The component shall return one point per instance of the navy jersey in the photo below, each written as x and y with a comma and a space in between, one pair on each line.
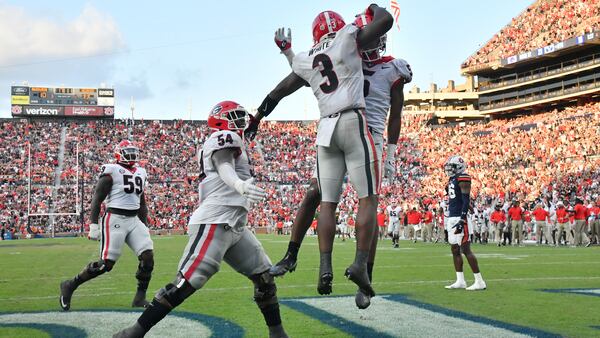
455, 197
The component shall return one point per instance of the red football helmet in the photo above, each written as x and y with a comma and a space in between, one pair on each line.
127, 153
326, 24
228, 115
370, 53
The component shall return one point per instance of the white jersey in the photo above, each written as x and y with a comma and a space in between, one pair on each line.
216, 198
380, 77
393, 214
127, 186
333, 69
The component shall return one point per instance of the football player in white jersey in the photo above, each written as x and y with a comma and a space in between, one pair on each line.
217, 228
312, 198
121, 186
393, 212
383, 87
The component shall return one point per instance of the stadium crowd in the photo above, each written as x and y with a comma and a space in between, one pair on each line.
550, 157
543, 23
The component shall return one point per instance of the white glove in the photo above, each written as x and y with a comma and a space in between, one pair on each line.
249, 190
94, 233
390, 163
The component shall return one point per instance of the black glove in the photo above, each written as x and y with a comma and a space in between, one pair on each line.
459, 227
250, 131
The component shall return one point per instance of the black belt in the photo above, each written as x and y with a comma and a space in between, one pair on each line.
123, 212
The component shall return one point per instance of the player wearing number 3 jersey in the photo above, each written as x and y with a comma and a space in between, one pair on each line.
334, 70
121, 187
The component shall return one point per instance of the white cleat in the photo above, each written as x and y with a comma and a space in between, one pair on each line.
477, 286
456, 285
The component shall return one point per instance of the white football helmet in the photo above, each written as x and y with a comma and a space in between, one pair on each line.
455, 166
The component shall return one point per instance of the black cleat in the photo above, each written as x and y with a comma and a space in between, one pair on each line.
325, 282
66, 291
362, 300
360, 277
140, 300
283, 266
396, 246
134, 331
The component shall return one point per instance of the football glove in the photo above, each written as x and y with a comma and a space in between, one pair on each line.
252, 129
249, 190
390, 163
283, 42
459, 227
94, 233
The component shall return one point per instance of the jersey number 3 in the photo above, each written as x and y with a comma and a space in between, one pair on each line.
323, 62
131, 186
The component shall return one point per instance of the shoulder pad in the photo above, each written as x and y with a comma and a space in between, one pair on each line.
106, 169
223, 139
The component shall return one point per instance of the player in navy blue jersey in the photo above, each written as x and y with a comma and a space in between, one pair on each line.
459, 194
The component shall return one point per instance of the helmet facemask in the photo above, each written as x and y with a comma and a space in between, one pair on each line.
128, 155
237, 120
374, 54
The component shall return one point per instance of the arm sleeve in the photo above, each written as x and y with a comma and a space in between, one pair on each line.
223, 161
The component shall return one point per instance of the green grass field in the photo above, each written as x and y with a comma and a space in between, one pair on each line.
30, 272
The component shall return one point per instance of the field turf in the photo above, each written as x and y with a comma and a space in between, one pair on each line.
31, 270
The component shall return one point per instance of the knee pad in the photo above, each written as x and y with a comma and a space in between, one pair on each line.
176, 294
265, 290
146, 265
95, 269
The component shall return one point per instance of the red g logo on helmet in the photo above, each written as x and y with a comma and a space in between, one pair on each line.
326, 24
228, 115
127, 153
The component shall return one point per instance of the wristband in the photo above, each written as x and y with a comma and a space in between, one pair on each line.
267, 106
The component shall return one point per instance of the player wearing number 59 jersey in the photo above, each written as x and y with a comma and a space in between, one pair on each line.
121, 187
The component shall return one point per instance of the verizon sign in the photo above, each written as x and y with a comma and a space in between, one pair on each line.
42, 110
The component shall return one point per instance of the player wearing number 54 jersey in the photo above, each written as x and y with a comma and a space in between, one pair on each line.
217, 229
121, 187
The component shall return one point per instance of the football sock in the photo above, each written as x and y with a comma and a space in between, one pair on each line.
153, 314
271, 314
293, 248
325, 265
460, 277
478, 277
370, 271
361, 257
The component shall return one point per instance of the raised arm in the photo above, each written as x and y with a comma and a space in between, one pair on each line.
287, 86
382, 22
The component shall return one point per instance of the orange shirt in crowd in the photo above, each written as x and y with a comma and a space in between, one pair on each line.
527, 216
561, 215
581, 212
381, 219
515, 213
413, 217
540, 214
428, 217
498, 216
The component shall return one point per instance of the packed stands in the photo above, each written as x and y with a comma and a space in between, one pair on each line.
554, 156
543, 23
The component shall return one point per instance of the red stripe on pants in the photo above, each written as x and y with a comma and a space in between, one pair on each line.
465, 238
106, 236
374, 151
203, 249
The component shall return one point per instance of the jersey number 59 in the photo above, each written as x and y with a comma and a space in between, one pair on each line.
131, 186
